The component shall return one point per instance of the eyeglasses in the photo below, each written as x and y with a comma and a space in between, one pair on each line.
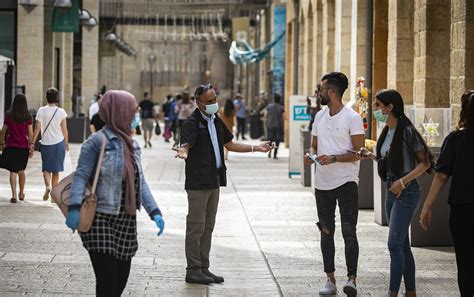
202, 89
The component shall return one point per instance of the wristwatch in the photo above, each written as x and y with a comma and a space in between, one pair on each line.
333, 158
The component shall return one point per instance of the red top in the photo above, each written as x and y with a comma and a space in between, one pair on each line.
17, 134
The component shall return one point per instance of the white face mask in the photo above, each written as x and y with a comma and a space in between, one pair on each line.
212, 108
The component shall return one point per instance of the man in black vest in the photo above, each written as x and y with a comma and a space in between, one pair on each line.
203, 138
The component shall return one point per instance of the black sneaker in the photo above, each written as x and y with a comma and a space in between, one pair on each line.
217, 279
197, 277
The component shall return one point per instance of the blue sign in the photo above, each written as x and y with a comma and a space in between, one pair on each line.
279, 51
299, 113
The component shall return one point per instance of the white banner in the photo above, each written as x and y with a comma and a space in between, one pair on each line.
298, 118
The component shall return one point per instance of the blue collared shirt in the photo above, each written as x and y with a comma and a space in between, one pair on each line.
213, 133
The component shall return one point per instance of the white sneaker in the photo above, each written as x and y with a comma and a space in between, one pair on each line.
328, 289
350, 288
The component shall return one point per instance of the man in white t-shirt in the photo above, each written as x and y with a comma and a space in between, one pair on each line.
336, 130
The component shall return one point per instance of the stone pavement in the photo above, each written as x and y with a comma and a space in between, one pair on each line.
265, 241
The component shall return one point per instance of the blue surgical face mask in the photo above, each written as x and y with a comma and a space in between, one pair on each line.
212, 108
135, 121
379, 116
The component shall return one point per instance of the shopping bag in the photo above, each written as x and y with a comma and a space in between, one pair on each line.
157, 129
67, 164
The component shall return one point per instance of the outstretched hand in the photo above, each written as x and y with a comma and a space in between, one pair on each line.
264, 147
181, 152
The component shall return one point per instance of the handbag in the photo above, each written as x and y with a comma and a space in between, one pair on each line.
157, 129
61, 195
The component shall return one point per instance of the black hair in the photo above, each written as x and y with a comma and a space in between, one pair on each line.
52, 95
337, 81
145, 94
229, 108
277, 98
466, 118
19, 111
405, 133
169, 96
201, 90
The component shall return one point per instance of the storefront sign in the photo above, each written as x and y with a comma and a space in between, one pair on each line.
66, 19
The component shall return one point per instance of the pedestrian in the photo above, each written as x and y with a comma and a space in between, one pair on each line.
15, 139
166, 116
173, 117
407, 157
147, 118
241, 109
337, 129
94, 108
51, 123
456, 161
184, 109
202, 140
227, 114
121, 189
96, 123
274, 115
311, 108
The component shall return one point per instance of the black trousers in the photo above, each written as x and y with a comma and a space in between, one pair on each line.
111, 274
241, 127
461, 224
346, 196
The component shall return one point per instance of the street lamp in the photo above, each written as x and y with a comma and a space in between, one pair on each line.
62, 4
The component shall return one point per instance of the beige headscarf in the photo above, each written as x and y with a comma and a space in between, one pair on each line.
117, 109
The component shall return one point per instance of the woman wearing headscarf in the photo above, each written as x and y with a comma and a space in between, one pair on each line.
121, 189
407, 157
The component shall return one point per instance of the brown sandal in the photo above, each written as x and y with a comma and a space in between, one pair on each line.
13, 200
21, 197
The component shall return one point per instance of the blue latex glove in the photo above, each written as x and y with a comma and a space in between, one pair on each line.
72, 219
160, 223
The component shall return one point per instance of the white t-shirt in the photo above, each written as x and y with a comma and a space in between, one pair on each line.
93, 109
334, 138
53, 134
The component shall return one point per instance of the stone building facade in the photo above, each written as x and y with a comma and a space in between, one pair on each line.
422, 48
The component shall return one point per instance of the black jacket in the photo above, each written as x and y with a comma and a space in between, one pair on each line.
201, 171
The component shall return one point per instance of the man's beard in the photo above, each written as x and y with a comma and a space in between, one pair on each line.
325, 100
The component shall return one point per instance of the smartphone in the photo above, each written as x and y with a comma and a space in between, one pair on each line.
313, 157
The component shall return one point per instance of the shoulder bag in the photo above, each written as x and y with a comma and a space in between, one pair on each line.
61, 195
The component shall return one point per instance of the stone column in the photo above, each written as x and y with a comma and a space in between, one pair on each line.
358, 44
432, 53
317, 42
328, 36
308, 54
48, 55
400, 48
342, 48
64, 42
462, 54
30, 47
301, 55
90, 56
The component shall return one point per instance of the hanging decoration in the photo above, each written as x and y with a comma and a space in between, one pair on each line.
430, 131
362, 106
241, 52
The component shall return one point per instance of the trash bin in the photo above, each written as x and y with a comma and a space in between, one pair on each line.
256, 126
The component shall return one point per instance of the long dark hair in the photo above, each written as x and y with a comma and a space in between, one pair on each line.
466, 118
19, 111
405, 134
229, 108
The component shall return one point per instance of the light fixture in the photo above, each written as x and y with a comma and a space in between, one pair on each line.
110, 37
62, 4
91, 23
28, 2
84, 15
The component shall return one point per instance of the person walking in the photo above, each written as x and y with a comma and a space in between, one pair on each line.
15, 139
274, 115
51, 123
184, 108
173, 117
121, 189
456, 161
166, 117
406, 157
147, 118
337, 129
227, 114
202, 140
241, 109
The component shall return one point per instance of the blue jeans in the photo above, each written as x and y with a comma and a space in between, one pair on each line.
399, 213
